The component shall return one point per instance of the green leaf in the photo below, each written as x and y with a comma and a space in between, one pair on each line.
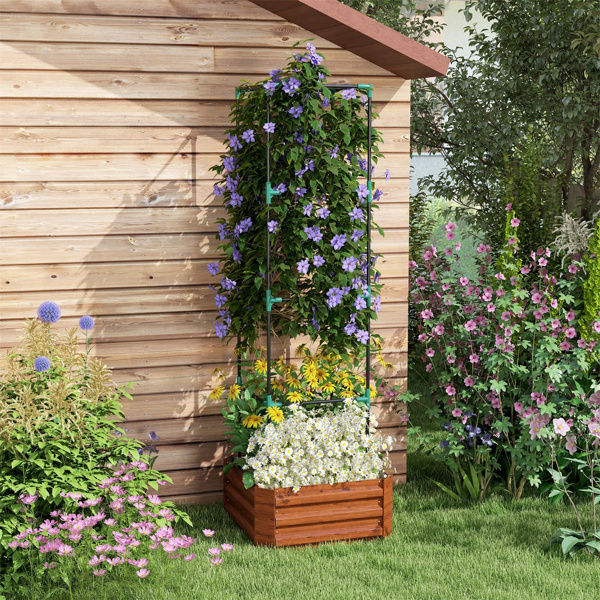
568, 543
248, 479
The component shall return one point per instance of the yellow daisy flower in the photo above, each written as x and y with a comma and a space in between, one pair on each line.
260, 366
278, 385
252, 421
347, 383
217, 392
373, 390
294, 397
347, 393
328, 387
234, 391
293, 382
275, 414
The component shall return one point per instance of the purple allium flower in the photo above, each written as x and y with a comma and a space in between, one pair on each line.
338, 241
318, 260
269, 127
360, 303
270, 86
307, 210
220, 330
356, 214
248, 136
362, 191
334, 297
356, 235
323, 213
41, 364
291, 85
220, 300
48, 312
349, 94
296, 111
229, 162
213, 268
333, 153
217, 191
227, 283
303, 266
234, 143
349, 264
362, 336
301, 191
86, 322
272, 226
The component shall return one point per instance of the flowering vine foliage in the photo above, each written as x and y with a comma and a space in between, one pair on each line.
317, 223
506, 355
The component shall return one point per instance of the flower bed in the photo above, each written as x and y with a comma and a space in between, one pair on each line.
317, 513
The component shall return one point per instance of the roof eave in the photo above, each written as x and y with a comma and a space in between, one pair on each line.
361, 35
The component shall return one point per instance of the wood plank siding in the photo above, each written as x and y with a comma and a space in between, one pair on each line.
111, 113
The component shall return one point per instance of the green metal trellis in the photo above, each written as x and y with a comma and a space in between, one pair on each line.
270, 300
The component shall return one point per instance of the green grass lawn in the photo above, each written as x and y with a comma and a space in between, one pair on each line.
440, 549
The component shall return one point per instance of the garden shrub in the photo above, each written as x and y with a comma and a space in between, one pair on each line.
59, 432
504, 354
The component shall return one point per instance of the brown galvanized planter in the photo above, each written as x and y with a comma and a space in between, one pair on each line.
316, 513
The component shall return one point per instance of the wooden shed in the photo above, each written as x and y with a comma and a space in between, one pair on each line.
111, 113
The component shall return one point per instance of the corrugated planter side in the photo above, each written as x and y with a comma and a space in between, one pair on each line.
316, 513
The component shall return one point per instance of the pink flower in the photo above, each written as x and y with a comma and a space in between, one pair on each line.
439, 329
154, 499
537, 423
515, 222
49, 565
412, 265
142, 573
448, 251
450, 235
450, 390
470, 325
491, 307
509, 207
451, 359
208, 532
227, 547
469, 381
450, 226
571, 315
458, 246
426, 314
542, 262
474, 358
565, 346
189, 557
464, 281
99, 572
96, 560
570, 445
215, 561
536, 298
560, 427
596, 326
214, 551
570, 333
456, 412
430, 352
518, 407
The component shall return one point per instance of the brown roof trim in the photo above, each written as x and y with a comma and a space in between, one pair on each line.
365, 37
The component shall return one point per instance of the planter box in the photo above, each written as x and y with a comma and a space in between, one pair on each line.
317, 513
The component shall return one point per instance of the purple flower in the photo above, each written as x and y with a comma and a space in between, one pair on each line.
245, 225
356, 214
223, 231
217, 191
350, 329
376, 304
325, 103
301, 191
234, 143
41, 364
86, 322
248, 135
282, 187
313, 233
296, 111
360, 303
362, 336
227, 283
307, 210
153, 437
323, 213
232, 183
349, 264
48, 312
356, 235
387, 174
220, 330
303, 266
269, 127
236, 199
274, 74
220, 300
229, 162
236, 254
377, 195
333, 153
362, 191
334, 297
272, 226
270, 86
338, 241
291, 85
321, 76
315, 59
349, 94
318, 260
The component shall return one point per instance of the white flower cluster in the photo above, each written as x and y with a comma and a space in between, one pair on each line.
312, 447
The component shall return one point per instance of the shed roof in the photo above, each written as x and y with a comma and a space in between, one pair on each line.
362, 35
